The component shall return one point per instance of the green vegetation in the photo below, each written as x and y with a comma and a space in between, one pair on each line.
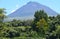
42, 27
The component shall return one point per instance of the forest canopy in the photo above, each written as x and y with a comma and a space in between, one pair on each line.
42, 26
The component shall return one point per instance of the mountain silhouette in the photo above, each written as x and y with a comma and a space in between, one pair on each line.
28, 10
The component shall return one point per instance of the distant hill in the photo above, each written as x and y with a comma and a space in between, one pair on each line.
29, 9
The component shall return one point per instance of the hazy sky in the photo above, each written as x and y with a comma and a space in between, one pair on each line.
12, 5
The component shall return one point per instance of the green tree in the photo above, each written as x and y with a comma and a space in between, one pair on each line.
39, 15
2, 14
42, 26
58, 31
58, 17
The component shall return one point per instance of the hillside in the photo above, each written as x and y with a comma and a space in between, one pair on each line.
27, 11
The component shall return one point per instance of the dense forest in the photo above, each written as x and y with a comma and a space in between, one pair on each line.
41, 27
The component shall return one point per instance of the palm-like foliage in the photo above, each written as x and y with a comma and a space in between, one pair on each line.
2, 14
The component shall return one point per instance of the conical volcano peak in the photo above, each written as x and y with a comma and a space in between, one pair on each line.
31, 2
29, 10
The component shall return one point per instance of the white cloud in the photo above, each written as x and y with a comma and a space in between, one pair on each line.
17, 6
12, 11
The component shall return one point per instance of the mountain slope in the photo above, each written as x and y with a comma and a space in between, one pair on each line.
29, 9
